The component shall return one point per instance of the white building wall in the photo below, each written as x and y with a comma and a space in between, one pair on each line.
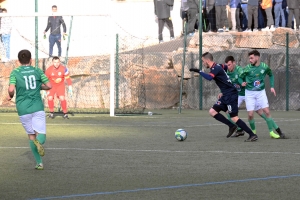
90, 35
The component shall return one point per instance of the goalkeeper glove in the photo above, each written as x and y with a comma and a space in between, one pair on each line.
194, 70
70, 91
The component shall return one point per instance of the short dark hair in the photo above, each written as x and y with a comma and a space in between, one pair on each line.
254, 52
24, 56
229, 58
208, 55
54, 6
4, 9
55, 58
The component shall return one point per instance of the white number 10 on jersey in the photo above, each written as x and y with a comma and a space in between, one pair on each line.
30, 82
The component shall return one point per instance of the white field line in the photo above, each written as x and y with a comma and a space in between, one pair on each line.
161, 151
145, 124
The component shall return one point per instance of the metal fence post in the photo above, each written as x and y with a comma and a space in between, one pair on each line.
183, 64
287, 72
200, 54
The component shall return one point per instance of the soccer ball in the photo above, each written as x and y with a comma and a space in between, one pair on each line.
180, 134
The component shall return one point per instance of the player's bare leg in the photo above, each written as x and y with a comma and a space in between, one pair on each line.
251, 121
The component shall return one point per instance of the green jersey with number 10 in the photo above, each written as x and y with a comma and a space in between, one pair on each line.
255, 76
28, 81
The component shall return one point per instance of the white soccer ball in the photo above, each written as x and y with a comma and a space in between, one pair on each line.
180, 134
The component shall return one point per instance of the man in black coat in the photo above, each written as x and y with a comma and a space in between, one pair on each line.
293, 7
162, 9
210, 9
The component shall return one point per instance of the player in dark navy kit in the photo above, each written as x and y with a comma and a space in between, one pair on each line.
229, 99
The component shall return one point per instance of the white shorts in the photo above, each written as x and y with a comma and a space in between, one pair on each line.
256, 100
242, 99
34, 122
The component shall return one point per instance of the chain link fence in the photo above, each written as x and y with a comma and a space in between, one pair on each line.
160, 67
149, 75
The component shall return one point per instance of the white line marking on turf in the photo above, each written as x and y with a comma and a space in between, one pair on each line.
162, 151
144, 125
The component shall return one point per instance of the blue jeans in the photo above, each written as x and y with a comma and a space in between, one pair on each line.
6, 44
278, 11
261, 18
245, 16
52, 40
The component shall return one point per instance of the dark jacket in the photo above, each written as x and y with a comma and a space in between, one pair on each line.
162, 8
221, 2
54, 23
193, 4
293, 4
253, 2
210, 3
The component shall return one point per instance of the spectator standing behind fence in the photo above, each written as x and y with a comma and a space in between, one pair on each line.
54, 23
235, 9
293, 6
211, 12
267, 6
244, 7
279, 13
6, 26
162, 9
221, 16
252, 14
183, 14
193, 12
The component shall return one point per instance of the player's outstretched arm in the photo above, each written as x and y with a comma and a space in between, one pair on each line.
204, 75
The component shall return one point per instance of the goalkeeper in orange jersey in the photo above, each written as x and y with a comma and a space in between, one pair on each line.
57, 74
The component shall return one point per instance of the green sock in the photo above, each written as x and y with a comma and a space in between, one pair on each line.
252, 124
275, 125
264, 116
229, 118
270, 124
35, 152
41, 138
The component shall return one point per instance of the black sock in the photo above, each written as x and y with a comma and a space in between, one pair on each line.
244, 126
223, 119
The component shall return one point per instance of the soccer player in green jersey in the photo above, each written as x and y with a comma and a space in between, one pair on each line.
234, 72
255, 94
27, 81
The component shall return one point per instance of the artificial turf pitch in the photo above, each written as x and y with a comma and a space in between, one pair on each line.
138, 157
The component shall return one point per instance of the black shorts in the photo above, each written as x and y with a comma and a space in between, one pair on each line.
228, 103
